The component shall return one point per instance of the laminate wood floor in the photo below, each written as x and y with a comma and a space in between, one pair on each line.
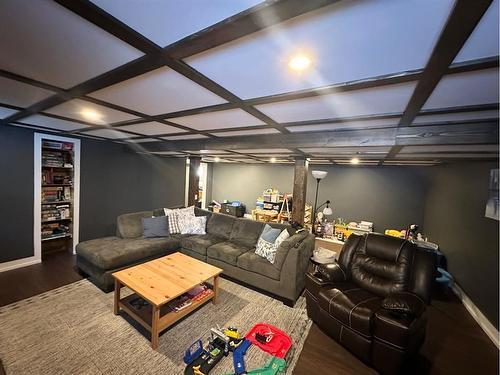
454, 345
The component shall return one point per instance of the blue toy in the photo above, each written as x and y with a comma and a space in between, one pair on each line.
193, 352
239, 357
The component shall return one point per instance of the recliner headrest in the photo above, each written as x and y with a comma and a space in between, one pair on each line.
384, 247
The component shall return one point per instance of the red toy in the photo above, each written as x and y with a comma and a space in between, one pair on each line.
270, 339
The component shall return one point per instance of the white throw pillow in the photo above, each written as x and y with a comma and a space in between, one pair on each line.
184, 217
177, 218
266, 250
194, 225
283, 236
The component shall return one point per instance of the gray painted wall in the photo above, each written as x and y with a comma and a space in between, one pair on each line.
115, 181
391, 197
112, 181
454, 218
16, 193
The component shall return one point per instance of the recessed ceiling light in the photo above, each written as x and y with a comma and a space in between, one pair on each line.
354, 161
299, 62
272, 160
91, 114
217, 159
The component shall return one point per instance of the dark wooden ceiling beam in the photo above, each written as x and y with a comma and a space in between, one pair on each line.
473, 133
462, 21
249, 21
112, 25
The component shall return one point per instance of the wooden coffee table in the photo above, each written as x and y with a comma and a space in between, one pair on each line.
158, 282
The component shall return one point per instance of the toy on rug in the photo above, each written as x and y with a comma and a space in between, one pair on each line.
270, 339
201, 361
274, 366
235, 338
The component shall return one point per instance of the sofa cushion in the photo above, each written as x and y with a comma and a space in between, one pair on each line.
220, 225
155, 226
246, 232
114, 252
285, 246
200, 244
252, 262
130, 225
227, 252
351, 305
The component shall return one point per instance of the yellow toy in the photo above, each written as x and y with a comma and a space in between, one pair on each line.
393, 233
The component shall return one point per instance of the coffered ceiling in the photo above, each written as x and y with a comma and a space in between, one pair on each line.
411, 82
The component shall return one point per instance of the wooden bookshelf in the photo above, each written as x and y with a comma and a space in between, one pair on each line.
57, 196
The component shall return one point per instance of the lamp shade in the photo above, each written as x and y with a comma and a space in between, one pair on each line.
319, 174
327, 211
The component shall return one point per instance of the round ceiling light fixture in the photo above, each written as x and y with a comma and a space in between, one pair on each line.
273, 160
217, 159
354, 161
299, 62
91, 114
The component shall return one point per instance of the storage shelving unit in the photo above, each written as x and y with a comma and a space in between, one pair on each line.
57, 196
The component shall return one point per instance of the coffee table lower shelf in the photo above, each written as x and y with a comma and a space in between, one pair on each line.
165, 316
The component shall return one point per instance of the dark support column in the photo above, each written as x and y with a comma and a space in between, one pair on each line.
194, 180
299, 189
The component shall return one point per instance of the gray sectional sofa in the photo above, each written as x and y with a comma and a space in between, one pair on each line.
228, 244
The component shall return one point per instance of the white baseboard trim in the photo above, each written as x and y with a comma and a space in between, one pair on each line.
18, 263
478, 316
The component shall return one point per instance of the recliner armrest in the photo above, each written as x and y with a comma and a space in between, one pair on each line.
332, 272
404, 303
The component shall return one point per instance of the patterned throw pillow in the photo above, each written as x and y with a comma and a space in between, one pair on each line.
177, 218
267, 249
194, 225
184, 217
173, 222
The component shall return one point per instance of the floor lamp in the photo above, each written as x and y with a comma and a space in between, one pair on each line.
318, 175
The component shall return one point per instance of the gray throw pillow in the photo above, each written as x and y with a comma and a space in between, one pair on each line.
155, 227
270, 234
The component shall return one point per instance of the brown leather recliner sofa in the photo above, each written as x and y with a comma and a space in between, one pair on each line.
373, 300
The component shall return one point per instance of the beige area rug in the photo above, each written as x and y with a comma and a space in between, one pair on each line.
72, 330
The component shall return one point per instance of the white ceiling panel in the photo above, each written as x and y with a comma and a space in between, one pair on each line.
346, 150
45, 41
165, 22
345, 125
160, 91
231, 118
217, 152
151, 128
108, 133
18, 93
371, 101
483, 41
448, 156
142, 140
449, 148
104, 115
459, 116
182, 137
264, 150
271, 155
53, 123
246, 132
167, 153
470, 88
6, 112
346, 41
